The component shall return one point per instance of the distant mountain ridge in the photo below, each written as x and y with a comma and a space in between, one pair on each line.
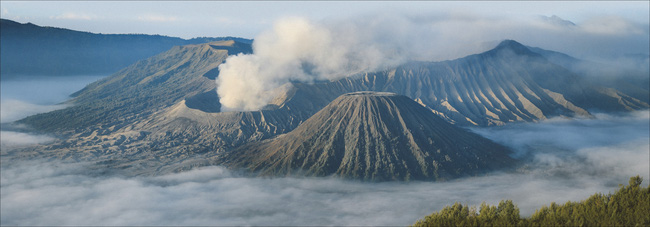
28, 49
634, 82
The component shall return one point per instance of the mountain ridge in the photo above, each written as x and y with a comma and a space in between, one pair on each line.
29, 49
490, 88
176, 116
147, 86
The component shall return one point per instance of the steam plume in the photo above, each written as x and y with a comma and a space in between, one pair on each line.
297, 50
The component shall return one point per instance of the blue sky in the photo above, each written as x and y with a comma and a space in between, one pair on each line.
249, 18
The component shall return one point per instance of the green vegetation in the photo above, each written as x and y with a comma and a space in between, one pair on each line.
629, 206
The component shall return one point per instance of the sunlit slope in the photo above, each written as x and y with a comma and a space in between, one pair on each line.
509, 83
141, 89
374, 136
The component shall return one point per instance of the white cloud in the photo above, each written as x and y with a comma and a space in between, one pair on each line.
228, 21
26, 96
119, 14
157, 18
75, 16
12, 110
12, 139
611, 25
564, 134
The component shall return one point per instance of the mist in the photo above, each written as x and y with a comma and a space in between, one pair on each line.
567, 159
299, 50
29, 95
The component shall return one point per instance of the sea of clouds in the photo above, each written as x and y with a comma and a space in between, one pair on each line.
29, 95
567, 160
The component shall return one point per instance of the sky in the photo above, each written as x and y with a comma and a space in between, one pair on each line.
248, 18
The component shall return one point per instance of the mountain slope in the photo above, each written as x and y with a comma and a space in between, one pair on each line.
157, 112
632, 79
164, 110
28, 49
374, 136
141, 89
507, 84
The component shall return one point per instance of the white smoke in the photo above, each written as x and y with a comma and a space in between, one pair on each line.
298, 50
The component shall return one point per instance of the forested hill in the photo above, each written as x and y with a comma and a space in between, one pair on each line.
629, 206
28, 49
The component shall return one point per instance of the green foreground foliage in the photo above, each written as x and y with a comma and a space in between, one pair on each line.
628, 206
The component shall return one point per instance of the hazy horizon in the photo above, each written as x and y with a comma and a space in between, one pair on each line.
618, 28
247, 19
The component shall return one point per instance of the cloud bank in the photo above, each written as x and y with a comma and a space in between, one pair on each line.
27, 96
595, 156
12, 110
74, 16
12, 139
300, 50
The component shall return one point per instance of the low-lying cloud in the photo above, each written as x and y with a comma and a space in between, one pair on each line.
26, 96
13, 139
299, 50
566, 134
29, 95
12, 110
568, 160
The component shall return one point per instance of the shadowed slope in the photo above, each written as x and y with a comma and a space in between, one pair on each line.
374, 136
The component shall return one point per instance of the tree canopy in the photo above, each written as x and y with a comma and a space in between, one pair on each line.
628, 206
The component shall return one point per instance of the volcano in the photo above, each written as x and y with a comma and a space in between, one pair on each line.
164, 110
374, 136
